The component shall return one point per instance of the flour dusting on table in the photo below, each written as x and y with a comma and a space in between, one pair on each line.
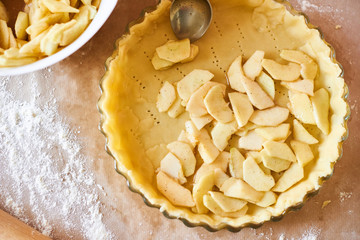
311, 7
42, 163
344, 195
312, 233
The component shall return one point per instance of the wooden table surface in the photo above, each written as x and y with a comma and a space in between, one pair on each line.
76, 82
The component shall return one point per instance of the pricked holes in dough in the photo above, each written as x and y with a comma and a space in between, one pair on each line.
216, 60
147, 56
218, 29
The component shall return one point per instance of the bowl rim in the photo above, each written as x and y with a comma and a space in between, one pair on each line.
186, 222
105, 9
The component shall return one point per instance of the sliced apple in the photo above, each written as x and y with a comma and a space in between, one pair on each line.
235, 73
255, 155
255, 177
171, 165
194, 50
58, 7
301, 134
252, 67
202, 121
206, 148
204, 185
174, 51
300, 106
156, 154
195, 105
221, 162
263, 168
216, 105
4, 35
245, 129
268, 199
309, 67
220, 177
242, 107
303, 86
191, 82
222, 132
267, 84
278, 133
251, 141
257, 96
227, 204
160, 64
289, 72
166, 97
302, 151
309, 71
281, 95
236, 163
237, 188
173, 191
183, 138
273, 163
321, 105
192, 133
279, 150
291, 176
270, 117
211, 204
295, 56
186, 156
3, 13
176, 108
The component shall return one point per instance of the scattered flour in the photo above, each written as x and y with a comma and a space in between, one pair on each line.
45, 180
312, 233
353, 106
344, 195
310, 7
282, 236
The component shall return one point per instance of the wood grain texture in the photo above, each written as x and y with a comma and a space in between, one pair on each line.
13, 229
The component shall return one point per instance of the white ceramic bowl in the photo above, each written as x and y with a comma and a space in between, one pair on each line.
105, 9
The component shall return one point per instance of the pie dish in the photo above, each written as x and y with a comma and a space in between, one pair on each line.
136, 132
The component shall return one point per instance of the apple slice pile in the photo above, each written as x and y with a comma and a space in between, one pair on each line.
238, 146
172, 52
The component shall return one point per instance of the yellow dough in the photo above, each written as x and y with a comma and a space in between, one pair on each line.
130, 87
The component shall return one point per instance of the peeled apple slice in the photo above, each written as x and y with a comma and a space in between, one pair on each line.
174, 51
242, 107
216, 105
289, 72
321, 105
255, 177
173, 191
270, 117
235, 73
257, 96
237, 188
301, 134
291, 176
166, 97
252, 67
191, 82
